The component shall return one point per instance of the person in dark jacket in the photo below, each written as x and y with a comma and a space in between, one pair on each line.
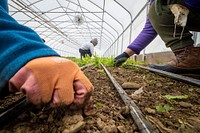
173, 22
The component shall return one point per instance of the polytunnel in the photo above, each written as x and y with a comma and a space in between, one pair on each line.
43, 93
66, 24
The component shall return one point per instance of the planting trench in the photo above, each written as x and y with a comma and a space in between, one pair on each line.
174, 115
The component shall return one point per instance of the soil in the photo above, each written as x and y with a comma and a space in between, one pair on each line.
184, 115
8, 100
147, 90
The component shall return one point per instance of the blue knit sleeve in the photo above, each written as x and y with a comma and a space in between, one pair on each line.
18, 45
4, 4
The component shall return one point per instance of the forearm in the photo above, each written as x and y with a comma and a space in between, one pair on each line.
144, 38
18, 45
92, 51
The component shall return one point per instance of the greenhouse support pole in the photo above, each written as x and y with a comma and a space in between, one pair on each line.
144, 54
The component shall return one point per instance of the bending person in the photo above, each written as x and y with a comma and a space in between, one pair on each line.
160, 21
88, 48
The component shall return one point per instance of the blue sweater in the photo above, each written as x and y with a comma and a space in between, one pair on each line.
18, 45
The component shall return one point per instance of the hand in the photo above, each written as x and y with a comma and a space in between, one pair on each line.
82, 99
81, 96
120, 59
50, 80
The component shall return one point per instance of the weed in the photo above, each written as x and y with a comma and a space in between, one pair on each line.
99, 104
106, 61
101, 71
164, 108
180, 97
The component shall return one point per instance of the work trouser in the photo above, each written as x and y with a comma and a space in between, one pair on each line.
164, 26
84, 53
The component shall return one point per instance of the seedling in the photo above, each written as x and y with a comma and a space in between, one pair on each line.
88, 117
180, 97
32, 114
97, 62
164, 108
99, 104
101, 71
107, 61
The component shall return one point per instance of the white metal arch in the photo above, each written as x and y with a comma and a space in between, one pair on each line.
56, 25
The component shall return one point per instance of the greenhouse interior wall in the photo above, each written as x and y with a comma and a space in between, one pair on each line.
115, 23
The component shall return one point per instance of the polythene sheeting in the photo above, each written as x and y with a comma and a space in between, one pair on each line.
66, 24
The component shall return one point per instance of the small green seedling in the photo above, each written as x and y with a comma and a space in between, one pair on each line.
88, 117
109, 62
99, 104
32, 114
101, 71
164, 108
180, 97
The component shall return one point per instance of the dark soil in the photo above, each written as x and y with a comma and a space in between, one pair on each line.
6, 101
112, 115
179, 115
184, 116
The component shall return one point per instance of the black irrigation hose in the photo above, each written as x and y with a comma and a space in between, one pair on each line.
86, 66
185, 79
13, 111
143, 125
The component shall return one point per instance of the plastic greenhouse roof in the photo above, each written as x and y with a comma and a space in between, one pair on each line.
66, 24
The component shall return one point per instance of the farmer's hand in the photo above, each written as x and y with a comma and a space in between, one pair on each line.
81, 96
120, 59
82, 99
50, 80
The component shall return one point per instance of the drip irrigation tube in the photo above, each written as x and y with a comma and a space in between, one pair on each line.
86, 66
13, 111
185, 79
143, 125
